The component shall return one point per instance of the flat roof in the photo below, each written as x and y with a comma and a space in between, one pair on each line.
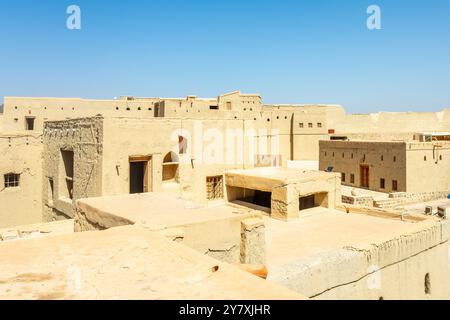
128, 262
434, 133
158, 210
268, 177
329, 230
316, 244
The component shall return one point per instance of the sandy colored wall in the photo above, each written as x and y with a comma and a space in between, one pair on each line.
428, 167
388, 269
390, 122
21, 154
415, 163
50, 109
125, 137
236, 239
84, 138
338, 154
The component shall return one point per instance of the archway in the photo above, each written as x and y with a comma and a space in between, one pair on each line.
170, 167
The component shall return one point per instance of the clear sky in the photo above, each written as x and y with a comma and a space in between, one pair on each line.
299, 51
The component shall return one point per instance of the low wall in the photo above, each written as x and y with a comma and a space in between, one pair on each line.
396, 200
362, 201
410, 266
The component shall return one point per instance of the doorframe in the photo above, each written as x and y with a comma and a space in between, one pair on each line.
148, 167
363, 167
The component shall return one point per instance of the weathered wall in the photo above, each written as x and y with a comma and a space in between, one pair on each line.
386, 160
390, 269
84, 137
210, 151
21, 154
428, 167
51, 109
414, 164
235, 239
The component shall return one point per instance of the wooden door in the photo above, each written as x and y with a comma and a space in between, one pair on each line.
364, 175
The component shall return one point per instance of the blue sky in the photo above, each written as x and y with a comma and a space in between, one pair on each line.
310, 51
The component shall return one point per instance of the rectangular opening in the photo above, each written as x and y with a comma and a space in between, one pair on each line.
29, 123
67, 159
343, 177
256, 197
214, 187
313, 201
12, 180
137, 171
394, 185
307, 202
50, 192
364, 176
229, 106
182, 145
382, 183
213, 107
139, 174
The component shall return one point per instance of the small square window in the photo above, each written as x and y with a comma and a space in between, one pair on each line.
12, 180
310, 125
382, 183
395, 159
352, 178
319, 125
300, 125
343, 177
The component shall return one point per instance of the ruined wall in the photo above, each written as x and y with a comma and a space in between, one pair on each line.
388, 269
83, 137
21, 154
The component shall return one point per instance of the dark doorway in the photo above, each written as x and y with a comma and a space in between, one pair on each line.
137, 176
29, 123
307, 202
